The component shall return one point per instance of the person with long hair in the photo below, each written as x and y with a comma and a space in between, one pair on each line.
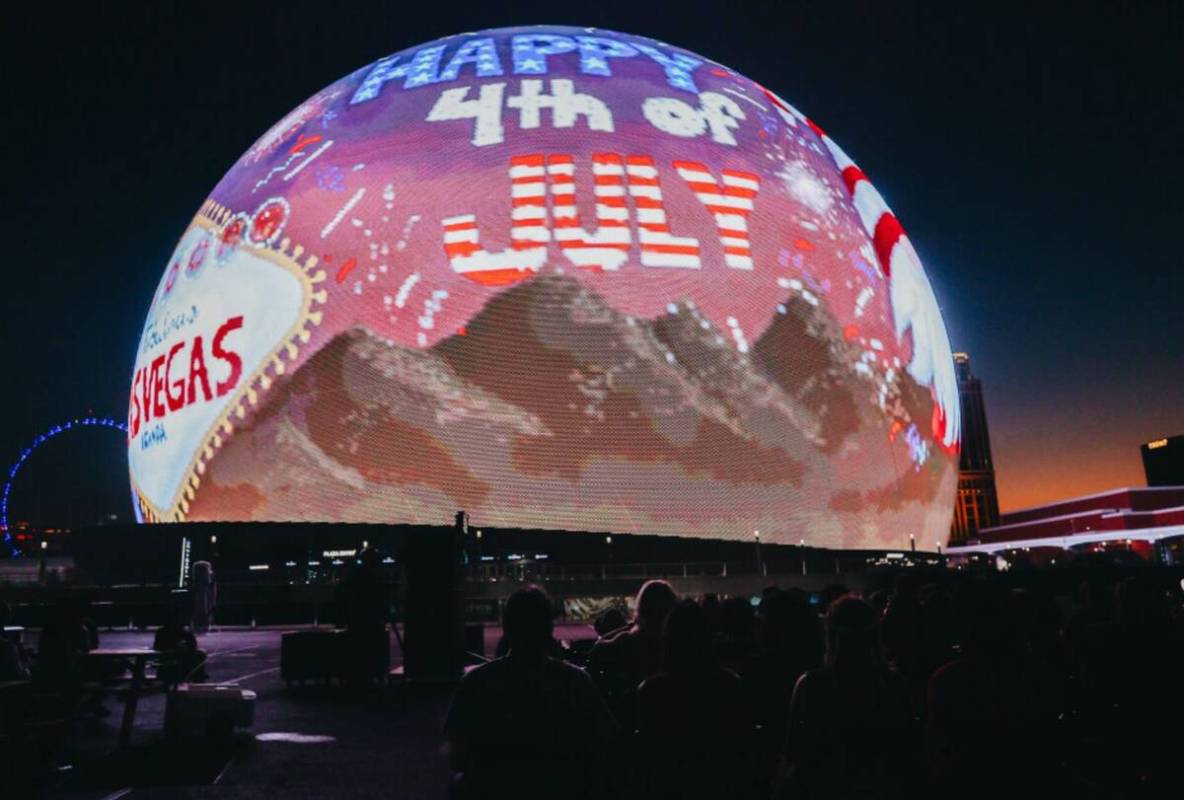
624, 658
848, 719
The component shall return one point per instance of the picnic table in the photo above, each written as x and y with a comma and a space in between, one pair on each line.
137, 658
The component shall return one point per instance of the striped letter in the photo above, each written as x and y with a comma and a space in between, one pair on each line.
730, 206
608, 247
658, 247
528, 233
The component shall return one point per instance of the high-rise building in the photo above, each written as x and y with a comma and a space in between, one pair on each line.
978, 501
1163, 461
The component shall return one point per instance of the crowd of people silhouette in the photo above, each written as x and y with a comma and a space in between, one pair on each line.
971, 687
921, 692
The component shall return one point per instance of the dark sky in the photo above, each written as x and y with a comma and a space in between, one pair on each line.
1033, 152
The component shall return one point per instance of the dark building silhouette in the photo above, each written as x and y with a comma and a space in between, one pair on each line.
978, 501
1163, 461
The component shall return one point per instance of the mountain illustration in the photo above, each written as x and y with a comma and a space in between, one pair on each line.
554, 410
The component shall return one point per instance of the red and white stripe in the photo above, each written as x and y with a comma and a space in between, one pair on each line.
659, 248
914, 305
877, 219
730, 205
529, 232
608, 247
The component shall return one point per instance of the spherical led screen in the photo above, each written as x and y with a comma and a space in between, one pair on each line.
559, 278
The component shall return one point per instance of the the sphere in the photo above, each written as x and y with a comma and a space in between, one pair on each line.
559, 278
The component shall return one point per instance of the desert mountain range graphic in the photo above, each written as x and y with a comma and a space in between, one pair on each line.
554, 410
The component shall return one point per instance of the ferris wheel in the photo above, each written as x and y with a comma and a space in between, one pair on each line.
39, 440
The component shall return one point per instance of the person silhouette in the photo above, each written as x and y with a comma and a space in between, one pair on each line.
849, 720
528, 725
205, 595
693, 730
183, 660
790, 640
623, 659
609, 622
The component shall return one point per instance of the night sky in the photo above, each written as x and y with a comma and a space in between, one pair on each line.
1034, 160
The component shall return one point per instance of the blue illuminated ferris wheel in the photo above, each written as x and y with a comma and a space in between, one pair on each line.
41, 439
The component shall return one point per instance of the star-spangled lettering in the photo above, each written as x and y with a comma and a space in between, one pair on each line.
595, 51
530, 54
480, 52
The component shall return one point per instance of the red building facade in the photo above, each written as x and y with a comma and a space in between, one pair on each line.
1144, 515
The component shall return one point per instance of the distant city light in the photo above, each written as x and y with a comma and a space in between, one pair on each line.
258, 567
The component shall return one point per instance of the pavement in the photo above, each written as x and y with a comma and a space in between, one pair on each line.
310, 742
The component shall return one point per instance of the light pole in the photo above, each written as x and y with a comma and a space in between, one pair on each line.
760, 564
